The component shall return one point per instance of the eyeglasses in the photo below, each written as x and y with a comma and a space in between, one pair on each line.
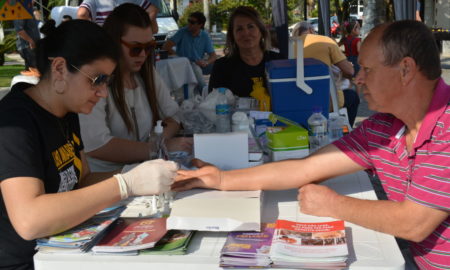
97, 81
136, 49
192, 21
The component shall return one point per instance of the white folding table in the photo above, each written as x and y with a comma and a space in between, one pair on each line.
368, 249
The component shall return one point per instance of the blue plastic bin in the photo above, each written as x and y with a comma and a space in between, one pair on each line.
292, 102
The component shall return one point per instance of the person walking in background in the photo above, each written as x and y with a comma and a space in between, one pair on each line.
98, 10
406, 144
117, 131
352, 43
327, 50
194, 42
27, 35
247, 49
46, 186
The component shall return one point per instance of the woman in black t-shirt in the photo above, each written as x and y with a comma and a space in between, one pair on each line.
242, 69
41, 151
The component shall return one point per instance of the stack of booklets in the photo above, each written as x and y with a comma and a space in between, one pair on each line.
129, 235
309, 245
175, 242
248, 249
82, 237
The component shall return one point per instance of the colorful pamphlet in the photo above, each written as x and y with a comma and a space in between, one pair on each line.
309, 245
248, 249
175, 242
132, 235
82, 237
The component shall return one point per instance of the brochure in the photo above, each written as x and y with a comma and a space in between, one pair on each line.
175, 242
249, 249
309, 245
132, 235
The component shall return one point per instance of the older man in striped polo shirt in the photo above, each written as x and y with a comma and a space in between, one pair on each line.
406, 144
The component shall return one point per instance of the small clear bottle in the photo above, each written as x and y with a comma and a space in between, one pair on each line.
223, 111
159, 151
158, 145
318, 130
335, 128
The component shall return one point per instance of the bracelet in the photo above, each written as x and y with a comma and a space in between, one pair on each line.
122, 186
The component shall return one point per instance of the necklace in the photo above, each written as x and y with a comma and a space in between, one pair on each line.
132, 104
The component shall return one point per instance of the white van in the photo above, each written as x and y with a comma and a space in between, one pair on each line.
167, 25
165, 19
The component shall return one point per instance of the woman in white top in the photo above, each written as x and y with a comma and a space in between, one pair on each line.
117, 130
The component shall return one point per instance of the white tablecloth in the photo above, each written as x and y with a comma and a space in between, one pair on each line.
368, 249
176, 72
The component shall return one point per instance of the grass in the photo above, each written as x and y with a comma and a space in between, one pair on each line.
8, 72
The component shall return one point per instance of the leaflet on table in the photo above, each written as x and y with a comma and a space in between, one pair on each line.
83, 236
300, 245
212, 210
175, 242
132, 234
248, 248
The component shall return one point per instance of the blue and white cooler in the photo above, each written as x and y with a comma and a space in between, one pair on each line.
297, 86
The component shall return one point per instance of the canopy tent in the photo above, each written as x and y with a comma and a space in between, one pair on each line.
405, 9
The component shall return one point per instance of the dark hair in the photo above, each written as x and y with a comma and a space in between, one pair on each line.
67, 17
200, 17
349, 26
48, 27
230, 47
116, 24
79, 42
414, 39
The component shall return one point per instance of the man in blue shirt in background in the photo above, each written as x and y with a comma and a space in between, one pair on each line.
193, 42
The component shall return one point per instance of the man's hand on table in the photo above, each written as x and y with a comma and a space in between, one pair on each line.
317, 200
207, 176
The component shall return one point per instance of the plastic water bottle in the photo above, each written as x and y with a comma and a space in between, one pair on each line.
335, 128
223, 111
317, 126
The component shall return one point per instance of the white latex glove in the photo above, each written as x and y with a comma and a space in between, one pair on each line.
129, 167
148, 178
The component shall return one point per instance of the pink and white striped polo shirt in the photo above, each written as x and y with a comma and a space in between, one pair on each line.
422, 176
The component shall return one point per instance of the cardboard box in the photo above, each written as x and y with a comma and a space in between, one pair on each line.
287, 142
214, 210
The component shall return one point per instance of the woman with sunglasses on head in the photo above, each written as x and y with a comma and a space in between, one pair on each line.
242, 69
41, 151
117, 131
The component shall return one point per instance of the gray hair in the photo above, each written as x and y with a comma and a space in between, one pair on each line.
414, 39
301, 27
